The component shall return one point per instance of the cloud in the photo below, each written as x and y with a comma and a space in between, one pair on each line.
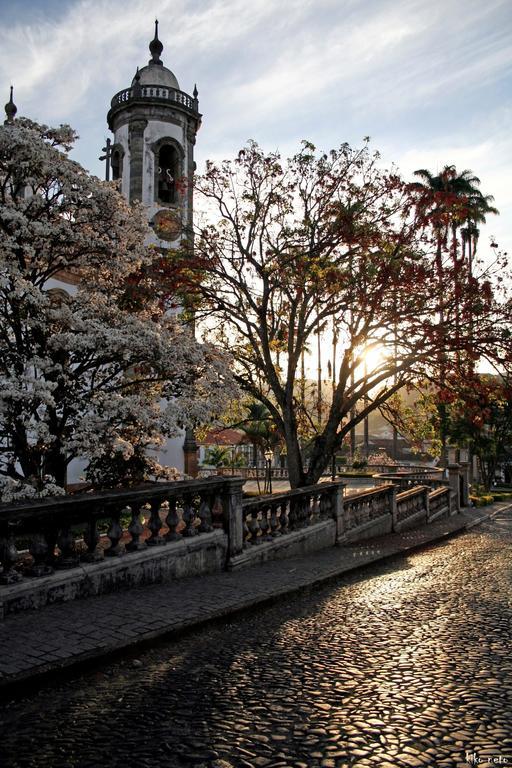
424, 77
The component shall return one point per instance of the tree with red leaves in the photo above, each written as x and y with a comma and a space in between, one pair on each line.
289, 248
481, 418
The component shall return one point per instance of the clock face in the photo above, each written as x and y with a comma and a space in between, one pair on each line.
167, 225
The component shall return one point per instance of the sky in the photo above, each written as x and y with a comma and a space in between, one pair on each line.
430, 81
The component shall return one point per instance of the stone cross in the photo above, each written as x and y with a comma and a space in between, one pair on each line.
107, 156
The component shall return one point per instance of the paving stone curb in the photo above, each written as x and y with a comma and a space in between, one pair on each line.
38, 644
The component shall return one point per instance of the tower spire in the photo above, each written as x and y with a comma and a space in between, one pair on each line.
156, 47
10, 109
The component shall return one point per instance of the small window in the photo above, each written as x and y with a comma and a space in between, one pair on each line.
117, 165
167, 174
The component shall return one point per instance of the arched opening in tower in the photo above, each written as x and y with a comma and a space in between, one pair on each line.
167, 174
117, 165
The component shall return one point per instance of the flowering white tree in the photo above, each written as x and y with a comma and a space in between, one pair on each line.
95, 372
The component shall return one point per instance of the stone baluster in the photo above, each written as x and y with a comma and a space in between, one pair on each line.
254, 526
205, 514
264, 523
283, 517
274, 520
316, 507
8, 556
92, 538
358, 512
426, 502
173, 520
135, 529
68, 557
347, 515
301, 512
217, 513
246, 533
50, 533
324, 506
189, 516
115, 533
310, 508
155, 524
293, 517
39, 551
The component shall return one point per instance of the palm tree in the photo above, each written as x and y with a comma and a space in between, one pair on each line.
452, 201
218, 456
457, 201
443, 196
259, 427
477, 207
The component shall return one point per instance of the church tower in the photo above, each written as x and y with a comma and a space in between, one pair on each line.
154, 125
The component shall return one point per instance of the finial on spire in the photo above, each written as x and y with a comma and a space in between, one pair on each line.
155, 47
195, 92
10, 109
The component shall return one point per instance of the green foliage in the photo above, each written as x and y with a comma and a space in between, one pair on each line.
218, 456
259, 426
360, 461
481, 418
417, 421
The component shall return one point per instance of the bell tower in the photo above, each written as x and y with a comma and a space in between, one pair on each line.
152, 156
154, 125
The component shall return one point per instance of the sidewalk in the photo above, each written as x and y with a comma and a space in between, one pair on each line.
36, 643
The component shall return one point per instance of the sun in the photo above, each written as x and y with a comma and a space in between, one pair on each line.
374, 356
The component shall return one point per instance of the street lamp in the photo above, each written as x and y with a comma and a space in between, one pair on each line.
268, 471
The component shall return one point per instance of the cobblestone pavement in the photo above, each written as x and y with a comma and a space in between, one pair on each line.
406, 664
33, 643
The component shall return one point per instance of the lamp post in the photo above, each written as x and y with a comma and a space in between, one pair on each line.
268, 471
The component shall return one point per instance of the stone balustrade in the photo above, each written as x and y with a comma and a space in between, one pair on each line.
440, 503
91, 543
266, 517
252, 473
404, 476
60, 533
411, 479
412, 507
364, 507
154, 92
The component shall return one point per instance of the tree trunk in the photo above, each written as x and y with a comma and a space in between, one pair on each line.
55, 464
324, 447
296, 474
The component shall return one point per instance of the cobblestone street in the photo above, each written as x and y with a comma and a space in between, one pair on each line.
403, 664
